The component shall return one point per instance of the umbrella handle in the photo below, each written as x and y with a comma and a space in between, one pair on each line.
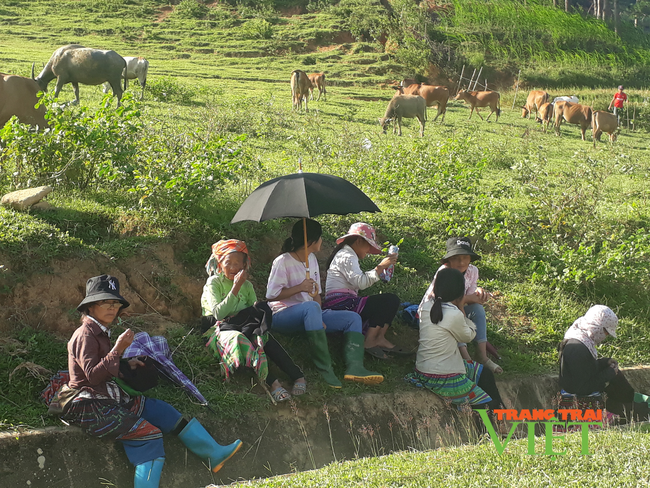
304, 230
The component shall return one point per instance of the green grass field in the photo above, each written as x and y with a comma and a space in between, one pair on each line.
560, 225
617, 459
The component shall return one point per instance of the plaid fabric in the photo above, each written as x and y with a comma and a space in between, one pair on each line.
220, 250
459, 388
234, 350
56, 382
106, 418
569, 401
157, 348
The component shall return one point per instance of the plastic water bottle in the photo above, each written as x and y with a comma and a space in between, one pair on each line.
387, 274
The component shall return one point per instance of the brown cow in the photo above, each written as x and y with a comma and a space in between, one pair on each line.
573, 113
432, 95
317, 81
18, 97
536, 98
409, 106
602, 121
300, 86
478, 99
544, 115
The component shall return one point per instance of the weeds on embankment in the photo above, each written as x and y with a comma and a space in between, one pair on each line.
616, 455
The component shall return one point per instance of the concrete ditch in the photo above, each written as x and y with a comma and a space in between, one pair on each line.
289, 438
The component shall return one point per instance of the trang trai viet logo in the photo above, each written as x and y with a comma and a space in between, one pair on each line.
548, 419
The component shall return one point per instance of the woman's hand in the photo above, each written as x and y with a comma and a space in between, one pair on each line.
135, 363
307, 286
613, 363
238, 282
386, 262
123, 341
482, 295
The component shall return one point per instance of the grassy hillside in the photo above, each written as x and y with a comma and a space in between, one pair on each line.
560, 225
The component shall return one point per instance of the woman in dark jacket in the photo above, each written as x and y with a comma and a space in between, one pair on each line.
583, 374
100, 407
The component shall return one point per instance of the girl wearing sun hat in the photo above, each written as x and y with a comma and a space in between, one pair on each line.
94, 402
345, 279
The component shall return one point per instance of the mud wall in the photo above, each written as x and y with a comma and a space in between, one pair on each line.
154, 282
290, 437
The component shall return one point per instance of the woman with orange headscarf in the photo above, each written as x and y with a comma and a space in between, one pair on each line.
229, 307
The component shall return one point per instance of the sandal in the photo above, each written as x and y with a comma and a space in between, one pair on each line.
397, 350
280, 394
492, 366
299, 389
377, 352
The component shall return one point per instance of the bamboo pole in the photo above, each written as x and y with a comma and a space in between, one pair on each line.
460, 80
634, 116
516, 90
469, 87
477, 78
486, 89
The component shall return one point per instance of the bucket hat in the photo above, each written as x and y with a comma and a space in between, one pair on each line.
104, 287
458, 246
366, 231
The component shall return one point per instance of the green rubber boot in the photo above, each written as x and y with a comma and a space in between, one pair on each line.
321, 357
353, 352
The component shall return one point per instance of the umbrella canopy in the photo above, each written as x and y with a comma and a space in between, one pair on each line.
303, 195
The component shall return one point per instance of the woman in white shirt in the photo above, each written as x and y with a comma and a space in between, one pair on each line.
439, 366
296, 304
345, 279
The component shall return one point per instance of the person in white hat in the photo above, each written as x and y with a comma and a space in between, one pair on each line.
345, 279
582, 373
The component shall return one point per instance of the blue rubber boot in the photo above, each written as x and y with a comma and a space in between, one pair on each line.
147, 475
201, 443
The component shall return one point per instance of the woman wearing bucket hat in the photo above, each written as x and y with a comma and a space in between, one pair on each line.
582, 374
92, 400
459, 256
345, 279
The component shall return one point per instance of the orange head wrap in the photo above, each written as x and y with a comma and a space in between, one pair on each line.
221, 249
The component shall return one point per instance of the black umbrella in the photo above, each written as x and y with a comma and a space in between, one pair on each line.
303, 195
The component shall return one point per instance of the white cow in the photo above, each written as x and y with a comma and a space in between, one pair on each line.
135, 68
572, 99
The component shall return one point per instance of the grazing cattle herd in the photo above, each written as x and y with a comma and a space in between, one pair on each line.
77, 64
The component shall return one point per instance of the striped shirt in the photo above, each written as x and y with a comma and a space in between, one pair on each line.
288, 272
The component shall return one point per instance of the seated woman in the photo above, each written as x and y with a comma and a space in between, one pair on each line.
296, 304
345, 279
227, 293
100, 407
459, 256
439, 366
582, 374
